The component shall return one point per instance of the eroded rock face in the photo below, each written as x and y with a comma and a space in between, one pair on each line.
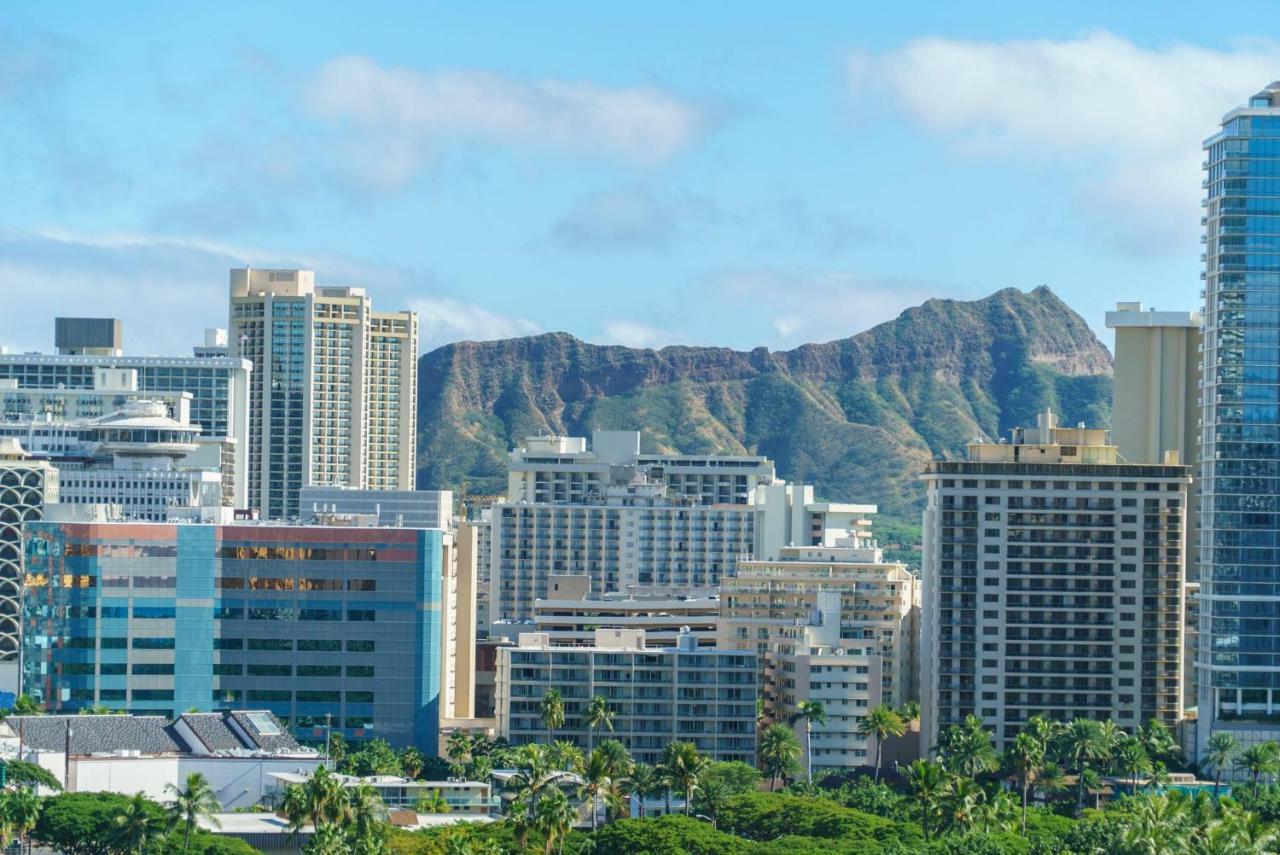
857, 417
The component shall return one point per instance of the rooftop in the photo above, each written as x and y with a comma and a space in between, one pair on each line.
233, 733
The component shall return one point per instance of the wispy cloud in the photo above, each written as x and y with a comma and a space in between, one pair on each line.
631, 333
631, 218
1131, 117
443, 319
805, 307
167, 290
400, 114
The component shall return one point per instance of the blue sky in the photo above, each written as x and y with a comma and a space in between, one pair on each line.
704, 173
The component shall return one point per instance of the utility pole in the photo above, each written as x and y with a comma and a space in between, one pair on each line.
66, 757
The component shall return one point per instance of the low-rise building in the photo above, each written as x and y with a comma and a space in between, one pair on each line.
238, 751
657, 695
460, 797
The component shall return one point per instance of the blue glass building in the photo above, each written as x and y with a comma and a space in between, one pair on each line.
314, 623
1239, 656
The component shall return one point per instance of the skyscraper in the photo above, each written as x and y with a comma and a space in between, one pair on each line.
333, 393
1239, 657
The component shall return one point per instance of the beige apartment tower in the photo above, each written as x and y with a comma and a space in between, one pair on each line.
1053, 583
333, 391
1155, 409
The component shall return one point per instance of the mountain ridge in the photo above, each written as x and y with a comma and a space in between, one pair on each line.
858, 417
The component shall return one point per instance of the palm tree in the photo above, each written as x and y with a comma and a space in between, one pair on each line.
966, 749
879, 724
1222, 747
1159, 742
712, 794
433, 802
554, 817
910, 711
685, 764
1086, 743
1131, 760
294, 807
595, 771
192, 802
137, 826
1259, 760
412, 761
779, 751
598, 715
1051, 779
564, 755
458, 747
964, 804
551, 710
520, 815
534, 774
643, 781
809, 712
1024, 758
22, 810
618, 758
929, 783
366, 811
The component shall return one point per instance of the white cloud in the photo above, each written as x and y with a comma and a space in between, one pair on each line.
814, 307
401, 113
442, 320
1132, 117
167, 290
631, 333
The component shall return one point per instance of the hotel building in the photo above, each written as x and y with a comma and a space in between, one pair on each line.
1053, 583
333, 394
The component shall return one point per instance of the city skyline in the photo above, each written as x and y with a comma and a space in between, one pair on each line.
485, 179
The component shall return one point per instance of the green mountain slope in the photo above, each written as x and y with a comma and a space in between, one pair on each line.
858, 417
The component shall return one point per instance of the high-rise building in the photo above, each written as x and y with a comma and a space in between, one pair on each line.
333, 391
314, 623
1155, 410
1239, 657
1053, 583
26, 486
657, 694
96, 385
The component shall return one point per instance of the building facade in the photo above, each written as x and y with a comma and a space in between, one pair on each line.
657, 695
1053, 583
313, 623
218, 387
1155, 410
333, 391
26, 486
571, 613
1239, 656
876, 607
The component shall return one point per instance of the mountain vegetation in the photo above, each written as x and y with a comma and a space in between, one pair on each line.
858, 417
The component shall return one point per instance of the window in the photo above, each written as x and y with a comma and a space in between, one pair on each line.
359, 697
319, 697
306, 645
260, 669
152, 668
359, 670
228, 644
271, 644
362, 615
153, 644
321, 671
269, 695
227, 669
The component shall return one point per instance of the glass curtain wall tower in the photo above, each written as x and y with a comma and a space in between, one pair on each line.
1239, 656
